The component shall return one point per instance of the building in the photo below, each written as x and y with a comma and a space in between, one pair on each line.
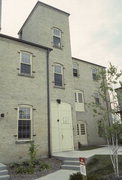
119, 96
44, 91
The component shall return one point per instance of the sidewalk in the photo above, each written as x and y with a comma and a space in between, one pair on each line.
64, 174
87, 153
58, 175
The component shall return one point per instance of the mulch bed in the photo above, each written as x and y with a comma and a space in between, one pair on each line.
54, 165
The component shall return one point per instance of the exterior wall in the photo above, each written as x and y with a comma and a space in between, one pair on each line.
15, 90
38, 29
85, 83
119, 96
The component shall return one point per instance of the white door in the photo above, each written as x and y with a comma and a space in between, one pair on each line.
61, 127
81, 133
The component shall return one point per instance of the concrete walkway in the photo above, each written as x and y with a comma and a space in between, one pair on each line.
58, 175
86, 154
64, 174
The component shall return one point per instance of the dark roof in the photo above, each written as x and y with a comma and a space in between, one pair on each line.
88, 62
43, 4
25, 42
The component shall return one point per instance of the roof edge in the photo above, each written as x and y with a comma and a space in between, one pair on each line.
39, 2
25, 42
88, 62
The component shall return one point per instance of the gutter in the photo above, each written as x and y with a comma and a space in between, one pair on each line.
48, 106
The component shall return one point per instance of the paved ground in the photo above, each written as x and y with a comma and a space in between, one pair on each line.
86, 154
58, 175
64, 174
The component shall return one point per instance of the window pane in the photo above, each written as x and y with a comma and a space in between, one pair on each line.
97, 100
77, 129
80, 99
24, 113
57, 69
94, 76
82, 127
75, 97
57, 32
25, 58
75, 65
56, 41
75, 72
25, 69
58, 79
24, 129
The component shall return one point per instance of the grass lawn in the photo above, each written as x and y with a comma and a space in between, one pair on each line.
101, 165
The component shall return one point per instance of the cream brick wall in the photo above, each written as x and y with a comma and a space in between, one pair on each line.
15, 90
38, 29
88, 86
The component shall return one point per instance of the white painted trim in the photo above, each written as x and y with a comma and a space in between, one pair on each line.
26, 106
31, 55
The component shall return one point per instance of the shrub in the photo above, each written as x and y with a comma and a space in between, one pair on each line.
32, 153
14, 165
78, 176
24, 170
43, 166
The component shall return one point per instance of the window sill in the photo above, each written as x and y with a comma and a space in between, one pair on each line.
25, 75
59, 87
61, 48
76, 76
24, 141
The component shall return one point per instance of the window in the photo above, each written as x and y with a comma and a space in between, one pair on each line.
79, 97
82, 129
57, 38
96, 96
25, 63
78, 129
24, 122
58, 75
75, 69
94, 74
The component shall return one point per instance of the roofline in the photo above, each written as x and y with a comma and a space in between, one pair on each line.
39, 2
25, 42
88, 62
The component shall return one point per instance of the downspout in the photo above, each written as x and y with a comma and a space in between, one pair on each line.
0, 13
48, 105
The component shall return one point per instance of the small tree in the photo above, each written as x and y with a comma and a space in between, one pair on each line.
106, 111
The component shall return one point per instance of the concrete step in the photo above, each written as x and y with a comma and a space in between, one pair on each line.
71, 167
2, 166
3, 172
66, 158
69, 162
5, 177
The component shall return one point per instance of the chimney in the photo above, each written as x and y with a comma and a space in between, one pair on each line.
0, 12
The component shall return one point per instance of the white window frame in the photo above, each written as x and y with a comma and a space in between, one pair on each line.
77, 97
62, 74
57, 36
79, 130
94, 74
30, 54
76, 67
79, 106
18, 118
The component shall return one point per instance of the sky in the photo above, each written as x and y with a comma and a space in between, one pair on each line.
95, 26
